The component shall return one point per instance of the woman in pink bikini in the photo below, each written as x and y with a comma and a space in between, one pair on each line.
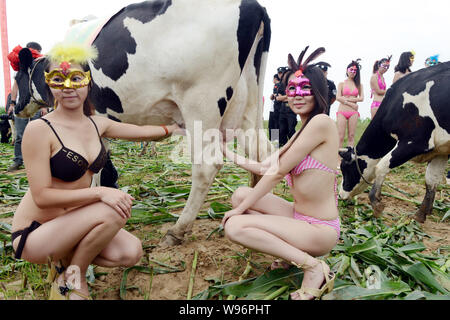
310, 227
378, 84
350, 92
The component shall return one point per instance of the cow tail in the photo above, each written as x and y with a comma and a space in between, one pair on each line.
263, 52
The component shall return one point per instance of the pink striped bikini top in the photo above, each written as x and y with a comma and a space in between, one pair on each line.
307, 164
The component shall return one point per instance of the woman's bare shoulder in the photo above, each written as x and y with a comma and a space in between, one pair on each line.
322, 120
36, 127
36, 132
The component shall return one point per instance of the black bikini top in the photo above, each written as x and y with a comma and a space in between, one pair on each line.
69, 166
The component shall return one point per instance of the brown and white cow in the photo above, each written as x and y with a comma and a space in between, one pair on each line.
413, 123
184, 61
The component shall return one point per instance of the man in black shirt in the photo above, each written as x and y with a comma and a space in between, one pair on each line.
288, 119
332, 91
274, 123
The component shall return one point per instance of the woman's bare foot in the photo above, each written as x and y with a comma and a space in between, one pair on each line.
313, 278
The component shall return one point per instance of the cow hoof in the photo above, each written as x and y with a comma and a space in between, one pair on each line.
420, 217
171, 240
378, 209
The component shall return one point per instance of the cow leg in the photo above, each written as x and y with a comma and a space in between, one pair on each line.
202, 179
207, 159
402, 153
433, 177
381, 170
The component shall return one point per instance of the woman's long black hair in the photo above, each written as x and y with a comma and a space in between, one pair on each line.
318, 83
357, 78
404, 63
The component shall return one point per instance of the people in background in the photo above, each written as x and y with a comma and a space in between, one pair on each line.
378, 83
350, 93
404, 65
332, 91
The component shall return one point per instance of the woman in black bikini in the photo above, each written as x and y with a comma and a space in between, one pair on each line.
62, 218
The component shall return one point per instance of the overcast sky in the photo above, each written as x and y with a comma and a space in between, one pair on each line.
348, 29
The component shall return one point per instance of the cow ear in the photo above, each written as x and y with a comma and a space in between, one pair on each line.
347, 154
25, 59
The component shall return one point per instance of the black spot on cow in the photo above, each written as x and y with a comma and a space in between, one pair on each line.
223, 103
230, 93
114, 41
105, 98
5, 129
251, 16
113, 118
222, 106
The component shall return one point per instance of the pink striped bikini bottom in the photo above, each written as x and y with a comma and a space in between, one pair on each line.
336, 224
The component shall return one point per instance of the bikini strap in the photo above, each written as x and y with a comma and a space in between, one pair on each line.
96, 128
24, 236
54, 131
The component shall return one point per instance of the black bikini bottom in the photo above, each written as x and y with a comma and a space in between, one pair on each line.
24, 233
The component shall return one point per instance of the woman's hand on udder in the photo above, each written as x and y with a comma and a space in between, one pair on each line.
120, 201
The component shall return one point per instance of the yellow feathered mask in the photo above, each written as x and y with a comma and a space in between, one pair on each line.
72, 53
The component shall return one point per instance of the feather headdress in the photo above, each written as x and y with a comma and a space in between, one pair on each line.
72, 53
299, 66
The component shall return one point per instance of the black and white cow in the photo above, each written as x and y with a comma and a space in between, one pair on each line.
413, 123
184, 61
5, 129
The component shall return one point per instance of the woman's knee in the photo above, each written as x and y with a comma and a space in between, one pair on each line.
351, 136
239, 195
108, 215
127, 254
234, 228
133, 254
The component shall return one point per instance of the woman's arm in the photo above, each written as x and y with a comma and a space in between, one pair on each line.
36, 154
375, 86
258, 168
339, 96
397, 77
131, 132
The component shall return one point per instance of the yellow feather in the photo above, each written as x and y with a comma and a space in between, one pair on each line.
73, 53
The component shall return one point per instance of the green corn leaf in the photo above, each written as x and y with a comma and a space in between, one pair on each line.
220, 207
388, 289
345, 263
367, 246
355, 268
421, 273
275, 278
413, 247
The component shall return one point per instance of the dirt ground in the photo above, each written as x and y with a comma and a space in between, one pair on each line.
222, 260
